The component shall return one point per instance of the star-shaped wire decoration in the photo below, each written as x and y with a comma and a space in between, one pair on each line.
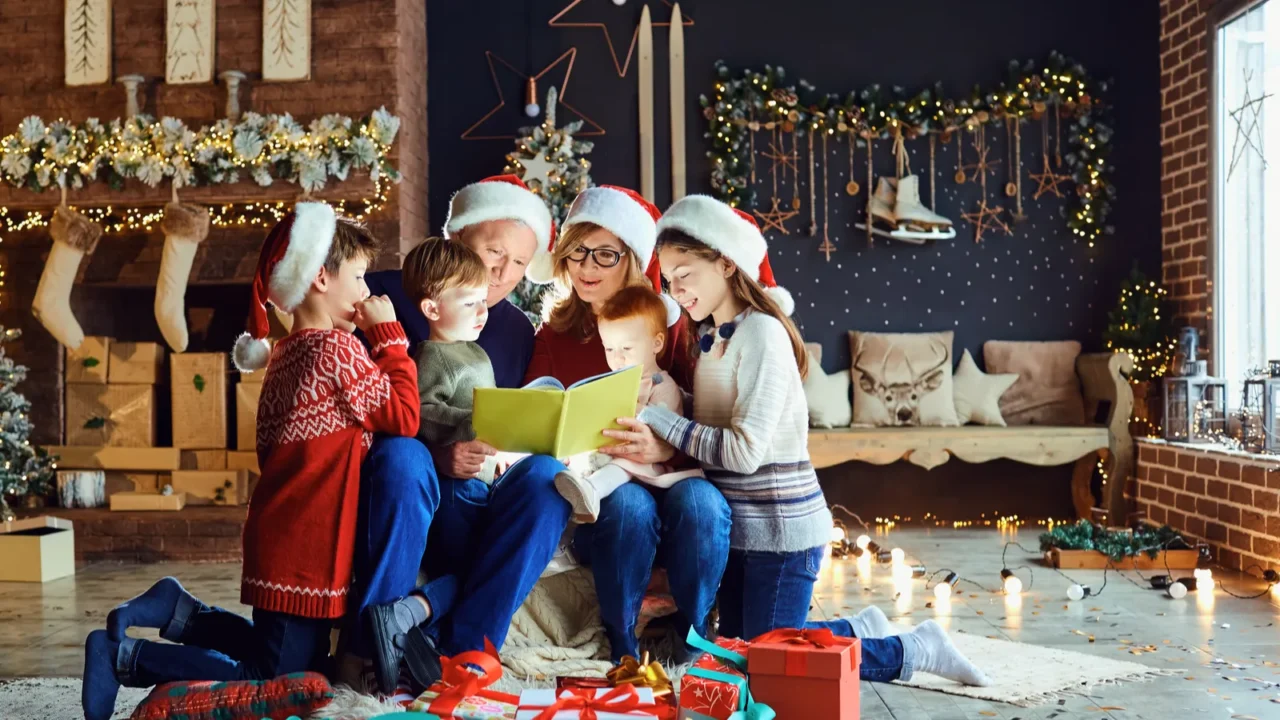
775, 218
985, 218
1048, 181
490, 57
1252, 106
621, 67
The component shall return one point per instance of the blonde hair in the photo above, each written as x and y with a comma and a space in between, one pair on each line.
572, 315
351, 239
743, 287
436, 265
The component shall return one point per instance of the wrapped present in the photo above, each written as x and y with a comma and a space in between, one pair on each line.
463, 690
582, 683
806, 673
111, 415
646, 674
199, 389
716, 687
625, 702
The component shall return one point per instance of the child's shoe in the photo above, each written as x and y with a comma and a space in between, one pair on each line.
581, 494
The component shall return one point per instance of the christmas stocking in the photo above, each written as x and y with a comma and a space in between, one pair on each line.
185, 227
74, 236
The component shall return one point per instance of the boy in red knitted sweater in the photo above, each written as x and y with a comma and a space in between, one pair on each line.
323, 399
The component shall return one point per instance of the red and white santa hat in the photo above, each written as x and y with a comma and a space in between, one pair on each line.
289, 262
502, 197
732, 233
630, 217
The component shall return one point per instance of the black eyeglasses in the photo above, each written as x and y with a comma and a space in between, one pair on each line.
604, 257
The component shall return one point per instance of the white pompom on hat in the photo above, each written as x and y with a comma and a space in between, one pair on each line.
732, 233
290, 260
626, 214
503, 197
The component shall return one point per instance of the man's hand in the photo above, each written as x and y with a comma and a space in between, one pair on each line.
374, 310
463, 459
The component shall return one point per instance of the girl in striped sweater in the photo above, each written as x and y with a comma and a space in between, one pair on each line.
750, 433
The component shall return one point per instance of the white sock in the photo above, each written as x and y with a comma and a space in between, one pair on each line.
607, 479
871, 623
931, 651
74, 236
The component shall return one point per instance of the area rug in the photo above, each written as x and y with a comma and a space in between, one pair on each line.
1031, 675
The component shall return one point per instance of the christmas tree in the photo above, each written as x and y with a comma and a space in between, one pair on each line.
550, 161
27, 470
1141, 325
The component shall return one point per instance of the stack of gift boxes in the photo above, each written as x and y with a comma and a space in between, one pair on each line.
116, 395
786, 674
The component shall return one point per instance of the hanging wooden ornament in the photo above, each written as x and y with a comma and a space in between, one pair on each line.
870, 154
775, 217
1010, 188
987, 216
1018, 215
933, 174
813, 206
827, 247
960, 177
852, 187
795, 173
1047, 181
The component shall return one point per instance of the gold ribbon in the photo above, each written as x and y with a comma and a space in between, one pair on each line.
641, 673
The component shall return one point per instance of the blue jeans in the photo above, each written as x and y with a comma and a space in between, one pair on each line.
764, 591
685, 529
399, 495
220, 645
496, 540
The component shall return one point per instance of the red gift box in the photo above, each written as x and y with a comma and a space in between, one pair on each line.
702, 697
463, 691
809, 674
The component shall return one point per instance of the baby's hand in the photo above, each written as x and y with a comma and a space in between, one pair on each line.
374, 310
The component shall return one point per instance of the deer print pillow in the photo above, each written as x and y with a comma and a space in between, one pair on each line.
902, 379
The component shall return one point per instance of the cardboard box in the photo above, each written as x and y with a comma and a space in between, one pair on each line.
815, 678
97, 457
243, 460
37, 550
130, 501
247, 395
112, 415
204, 460
212, 487
89, 362
118, 481
136, 363
198, 382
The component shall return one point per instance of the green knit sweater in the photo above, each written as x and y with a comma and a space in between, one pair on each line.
448, 372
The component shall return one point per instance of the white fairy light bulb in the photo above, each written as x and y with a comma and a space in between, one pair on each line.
942, 590
1204, 579
902, 572
1177, 590
897, 556
619, 3
862, 542
1012, 583
837, 534
1076, 591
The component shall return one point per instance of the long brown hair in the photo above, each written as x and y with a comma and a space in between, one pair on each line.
572, 315
743, 287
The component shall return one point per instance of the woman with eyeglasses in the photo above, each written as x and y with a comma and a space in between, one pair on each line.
606, 244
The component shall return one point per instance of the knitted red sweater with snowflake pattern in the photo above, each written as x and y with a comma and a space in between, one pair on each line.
323, 398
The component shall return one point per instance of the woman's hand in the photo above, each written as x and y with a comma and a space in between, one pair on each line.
639, 444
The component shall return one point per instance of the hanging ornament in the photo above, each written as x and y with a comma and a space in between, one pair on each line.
795, 173
960, 178
826, 247
1018, 215
870, 154
775, 217
933, 174
852, 187
531, 98
1010, 188
813, 205
619, 3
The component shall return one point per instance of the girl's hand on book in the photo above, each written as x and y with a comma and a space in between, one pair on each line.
638, 443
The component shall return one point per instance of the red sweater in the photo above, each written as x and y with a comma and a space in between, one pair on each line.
569, 359
322, 400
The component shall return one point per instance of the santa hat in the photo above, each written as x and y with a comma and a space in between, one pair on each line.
502, 197
291, 257
732, 233
631, 218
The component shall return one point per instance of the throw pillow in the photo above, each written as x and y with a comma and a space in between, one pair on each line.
298, 694
902, 378
978, 394
827, 395
1047, 391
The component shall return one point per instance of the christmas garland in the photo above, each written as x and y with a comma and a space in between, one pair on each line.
1115, 544
264, 148
763, 100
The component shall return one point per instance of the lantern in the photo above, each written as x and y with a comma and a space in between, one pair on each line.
1194, 408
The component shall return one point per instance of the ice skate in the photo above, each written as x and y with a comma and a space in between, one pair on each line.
914, 220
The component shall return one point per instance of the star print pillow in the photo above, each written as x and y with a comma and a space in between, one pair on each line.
902, 379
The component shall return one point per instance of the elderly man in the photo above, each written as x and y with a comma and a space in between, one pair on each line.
496, 540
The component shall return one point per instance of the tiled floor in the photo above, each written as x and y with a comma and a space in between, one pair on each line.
42, 628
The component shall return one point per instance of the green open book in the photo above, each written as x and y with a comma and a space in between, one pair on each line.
545, 418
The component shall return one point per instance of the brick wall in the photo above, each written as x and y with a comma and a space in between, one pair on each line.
197, 534
365, 54
1230, 500
1184, 139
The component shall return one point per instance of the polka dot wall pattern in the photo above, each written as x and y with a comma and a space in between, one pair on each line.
1037, 283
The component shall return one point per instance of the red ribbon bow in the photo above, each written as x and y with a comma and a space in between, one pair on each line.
622, 699
823, 638
463, 683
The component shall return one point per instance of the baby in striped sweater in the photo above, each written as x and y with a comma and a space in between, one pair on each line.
749, 432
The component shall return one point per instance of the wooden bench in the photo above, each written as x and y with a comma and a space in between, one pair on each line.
1108, 402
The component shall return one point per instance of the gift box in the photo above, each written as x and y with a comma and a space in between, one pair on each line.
810, 674
212, 487
38, 549
625, 702
133, 362
112, 415
247, 395
199, 387
716, 687
88, 363
463, 690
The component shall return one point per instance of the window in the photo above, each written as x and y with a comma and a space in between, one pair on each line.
1246, 185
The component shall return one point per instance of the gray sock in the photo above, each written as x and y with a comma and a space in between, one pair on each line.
409, 613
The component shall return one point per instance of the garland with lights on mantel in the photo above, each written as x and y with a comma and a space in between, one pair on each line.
266, 149
762, 100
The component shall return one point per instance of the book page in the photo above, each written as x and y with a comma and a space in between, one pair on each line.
595, 405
